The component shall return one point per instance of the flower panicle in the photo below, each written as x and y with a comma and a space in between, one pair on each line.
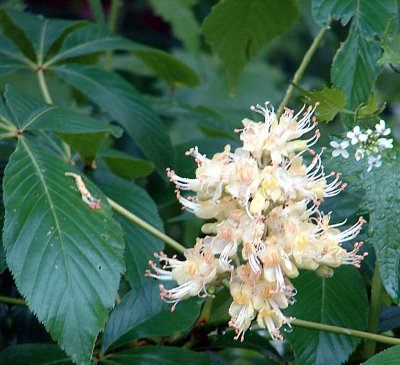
262, 201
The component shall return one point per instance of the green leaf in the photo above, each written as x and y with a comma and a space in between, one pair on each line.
30, 114
391, 52
372, 17
370, 107
90, 39
140, 245
85, 144
11, 58
332, 101
168, 68
41, 32
3, 161
180, 15
136, 307
355, 69
339, 301
124, 165
256, 341
150, 355
34, 354
127, 324
83, 133
94, 38
125, 105
383, 203
66, 258
237, 30
388, 357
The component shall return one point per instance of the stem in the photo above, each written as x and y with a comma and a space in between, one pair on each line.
97, 10
374, 312
43, 86
47, 98
346, 331
14, 301
112, 26
114, 15
146, 226
7, 128
8, 135
300, 71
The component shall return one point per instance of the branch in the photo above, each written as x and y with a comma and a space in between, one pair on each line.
300, 71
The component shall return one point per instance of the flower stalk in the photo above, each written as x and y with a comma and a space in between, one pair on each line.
146, 226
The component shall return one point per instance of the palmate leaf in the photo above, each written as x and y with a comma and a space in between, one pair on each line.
29, 114
125, 105
383, 203
39, 37
41, 32
237, 30
66, 258
339, 301
34, 354
150, 355
82, 132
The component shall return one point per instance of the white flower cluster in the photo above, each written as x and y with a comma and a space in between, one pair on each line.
262, 200
369, 143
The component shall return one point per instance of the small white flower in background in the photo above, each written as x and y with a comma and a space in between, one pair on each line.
359, 154
381, 129
340, 149
374, 162
385, 143
356, 136
370, 144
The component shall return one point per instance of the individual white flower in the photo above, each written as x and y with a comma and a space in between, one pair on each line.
356, 136
359, 154
381, 129
385, 143
340, 149
374, 162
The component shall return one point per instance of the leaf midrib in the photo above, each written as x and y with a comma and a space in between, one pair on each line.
50, 200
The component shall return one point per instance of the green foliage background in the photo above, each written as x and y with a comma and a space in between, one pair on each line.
118, 101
